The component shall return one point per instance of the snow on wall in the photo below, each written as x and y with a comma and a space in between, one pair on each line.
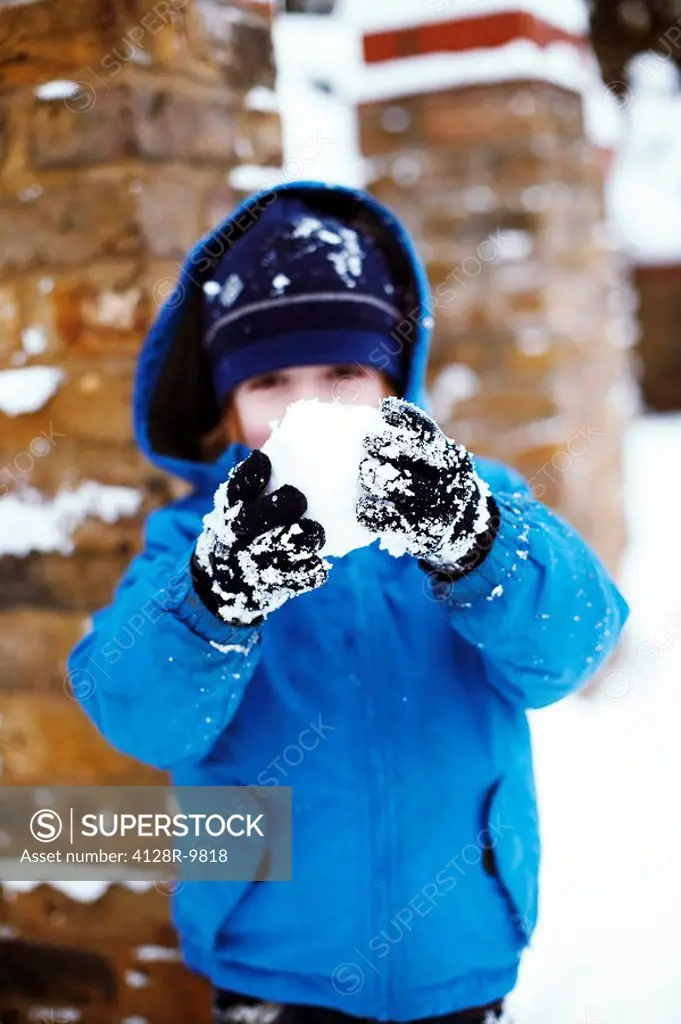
58, 89
31, 522
28, 389
322, 75
570, 15
85, 892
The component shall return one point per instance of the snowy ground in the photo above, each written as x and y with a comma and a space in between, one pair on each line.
608, 946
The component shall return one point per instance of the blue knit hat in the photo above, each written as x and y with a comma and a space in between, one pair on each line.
299, 288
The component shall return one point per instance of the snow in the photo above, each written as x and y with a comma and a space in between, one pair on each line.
346, 260
135, 979
232, 290
113, 309
261, 98
253, 178
34, 340
643, 196
608, 945
28, 389
31, 522
280, 284
455, 383
30, 194
317, 447
156, 954
570, 15
58, 89
322, 74
46, 1015
84, 892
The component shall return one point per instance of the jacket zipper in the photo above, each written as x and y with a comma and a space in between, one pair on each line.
379, 834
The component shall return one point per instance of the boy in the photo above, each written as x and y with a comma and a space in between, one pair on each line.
416, 843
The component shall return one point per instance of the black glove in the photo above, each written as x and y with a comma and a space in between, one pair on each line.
422, 485
256, 551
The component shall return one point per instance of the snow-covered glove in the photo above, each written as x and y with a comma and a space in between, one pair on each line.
256, 551
423, 486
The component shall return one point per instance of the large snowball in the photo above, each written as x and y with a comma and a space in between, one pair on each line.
317, 447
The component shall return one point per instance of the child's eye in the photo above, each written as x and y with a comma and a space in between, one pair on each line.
266, 382
345, 370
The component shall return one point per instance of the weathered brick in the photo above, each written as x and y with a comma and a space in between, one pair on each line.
474, 114
91, 403
10, 320
26, 666
4, 136
101, 308
122, 927
169, 210
49, 738
47, 914
262, 129
218, 203
76, 583
69, 225
71, 461
48, 40
241, 46
172, 126
133, 118
62, 135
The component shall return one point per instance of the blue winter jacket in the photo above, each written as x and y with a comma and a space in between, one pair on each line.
397, 712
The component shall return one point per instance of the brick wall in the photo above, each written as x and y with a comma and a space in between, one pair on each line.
104, 187
659, 289
503, 194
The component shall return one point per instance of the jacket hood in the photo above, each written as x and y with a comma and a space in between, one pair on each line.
174, 402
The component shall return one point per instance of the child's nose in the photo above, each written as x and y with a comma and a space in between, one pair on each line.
320, 389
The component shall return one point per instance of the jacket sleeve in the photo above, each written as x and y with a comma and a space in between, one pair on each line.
159, 675
540, 606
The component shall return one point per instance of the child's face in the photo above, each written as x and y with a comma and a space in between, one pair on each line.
258, 401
